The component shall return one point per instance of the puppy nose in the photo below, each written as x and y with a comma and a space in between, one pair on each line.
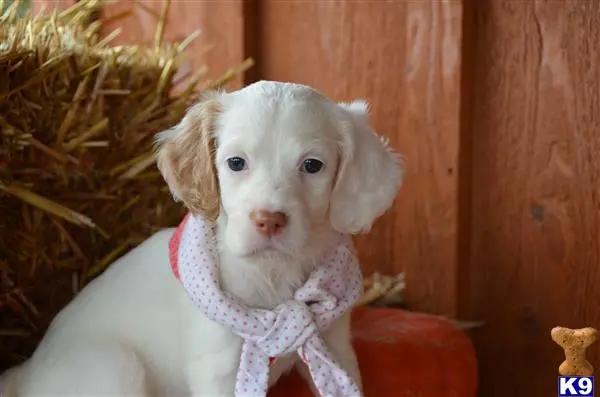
267, 222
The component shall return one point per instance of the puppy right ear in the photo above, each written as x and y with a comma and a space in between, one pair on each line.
186, 158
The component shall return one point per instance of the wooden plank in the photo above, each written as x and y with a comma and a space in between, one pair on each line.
221, 24
403, 57
536, 188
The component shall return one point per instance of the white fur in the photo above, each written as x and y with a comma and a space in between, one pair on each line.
133, 332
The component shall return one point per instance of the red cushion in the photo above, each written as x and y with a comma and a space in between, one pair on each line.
403, 354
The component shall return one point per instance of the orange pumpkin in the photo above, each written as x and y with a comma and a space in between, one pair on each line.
404, 354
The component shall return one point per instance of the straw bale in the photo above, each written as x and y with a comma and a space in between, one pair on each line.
78, 184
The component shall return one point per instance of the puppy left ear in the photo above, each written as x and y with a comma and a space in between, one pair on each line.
369, 175
186, 158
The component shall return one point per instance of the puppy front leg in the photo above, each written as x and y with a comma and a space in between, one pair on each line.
213, 376
339, 341
212, 356
213, 373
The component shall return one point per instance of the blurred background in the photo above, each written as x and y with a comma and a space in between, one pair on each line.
495, 106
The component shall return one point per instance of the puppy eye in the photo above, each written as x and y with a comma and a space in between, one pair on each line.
312, 166
236, 164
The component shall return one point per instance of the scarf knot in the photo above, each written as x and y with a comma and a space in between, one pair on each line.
291, 328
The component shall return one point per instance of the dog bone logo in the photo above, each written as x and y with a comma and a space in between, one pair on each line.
574, 342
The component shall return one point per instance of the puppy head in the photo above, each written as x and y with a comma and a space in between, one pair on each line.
281, 168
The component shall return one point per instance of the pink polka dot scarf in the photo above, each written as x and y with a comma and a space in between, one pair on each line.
331, 290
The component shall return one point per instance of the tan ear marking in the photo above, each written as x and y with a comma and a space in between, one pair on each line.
574, 342
186, 158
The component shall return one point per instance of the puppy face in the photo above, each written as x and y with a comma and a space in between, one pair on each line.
275, 155
279, 167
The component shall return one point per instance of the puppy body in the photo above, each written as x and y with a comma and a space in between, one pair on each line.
134, 332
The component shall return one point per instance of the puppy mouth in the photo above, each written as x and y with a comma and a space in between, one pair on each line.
266, 248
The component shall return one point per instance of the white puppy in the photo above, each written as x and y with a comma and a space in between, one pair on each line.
282, 170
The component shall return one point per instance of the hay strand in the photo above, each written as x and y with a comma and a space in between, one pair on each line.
47, 205
160, 26
383, 290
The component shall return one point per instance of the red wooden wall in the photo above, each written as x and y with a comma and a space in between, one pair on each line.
535, 186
